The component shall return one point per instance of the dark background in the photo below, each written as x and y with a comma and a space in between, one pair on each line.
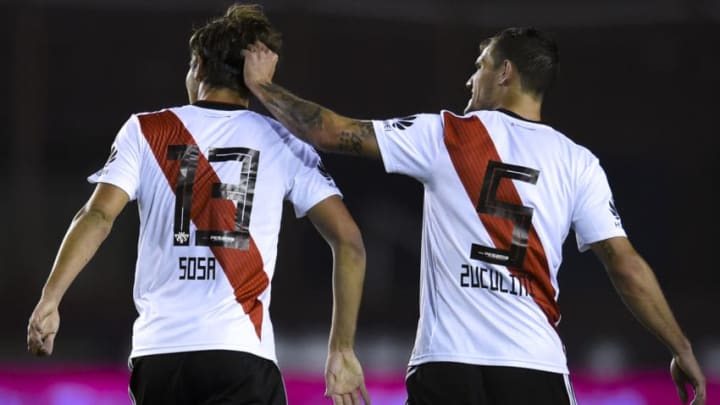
638, 85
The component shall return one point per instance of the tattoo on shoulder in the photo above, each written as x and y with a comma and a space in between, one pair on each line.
352, 139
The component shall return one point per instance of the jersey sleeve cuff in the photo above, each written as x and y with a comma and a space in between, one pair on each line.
380, 136
302, 211
584, 245
124, 185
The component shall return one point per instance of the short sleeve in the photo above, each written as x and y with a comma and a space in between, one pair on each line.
311, 184
410, 145
595, 216
122, 168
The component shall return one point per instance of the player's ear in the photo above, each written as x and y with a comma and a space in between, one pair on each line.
198, 68
507, 73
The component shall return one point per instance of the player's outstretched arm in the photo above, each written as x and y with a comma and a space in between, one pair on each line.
635, 282
343, 372
315, 124
87, 231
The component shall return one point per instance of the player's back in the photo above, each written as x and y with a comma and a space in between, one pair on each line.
211, 180
501, 194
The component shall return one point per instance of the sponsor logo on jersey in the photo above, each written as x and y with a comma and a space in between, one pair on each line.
614, 212
111, 158
400, 123
325, 173
113, 155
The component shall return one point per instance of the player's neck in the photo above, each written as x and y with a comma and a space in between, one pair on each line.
524, 105
221, 95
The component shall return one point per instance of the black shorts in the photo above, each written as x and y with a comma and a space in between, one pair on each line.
443, 383
206, 377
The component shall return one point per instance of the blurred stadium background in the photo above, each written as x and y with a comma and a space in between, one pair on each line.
638, 85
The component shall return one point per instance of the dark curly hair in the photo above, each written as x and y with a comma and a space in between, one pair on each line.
220, 43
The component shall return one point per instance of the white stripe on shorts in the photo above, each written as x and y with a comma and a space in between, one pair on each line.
570, 391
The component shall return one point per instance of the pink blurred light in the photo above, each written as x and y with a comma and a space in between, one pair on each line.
98, 385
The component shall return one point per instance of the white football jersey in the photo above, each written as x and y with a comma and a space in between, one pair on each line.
501, 195
210, 180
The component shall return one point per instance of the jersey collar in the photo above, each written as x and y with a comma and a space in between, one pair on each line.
512, 114
216, 105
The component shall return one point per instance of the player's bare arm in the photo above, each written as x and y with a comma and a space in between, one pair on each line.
86, 233
343, 372
636, 284
315, 124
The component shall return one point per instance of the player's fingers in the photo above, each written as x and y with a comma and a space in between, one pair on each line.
36, 321
681, 387
261, 46
34, 339
700, 396
34, 345
41, 334
354, 398
680, 378
37, 347
250, 52
682, 392
48, 344
337, 399
329, 386
32, 329
364, 393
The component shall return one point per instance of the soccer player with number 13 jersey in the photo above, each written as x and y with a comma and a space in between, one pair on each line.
210, 179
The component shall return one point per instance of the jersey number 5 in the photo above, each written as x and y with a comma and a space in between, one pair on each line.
241, 193
520, 215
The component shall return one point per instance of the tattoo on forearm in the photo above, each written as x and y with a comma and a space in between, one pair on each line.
302, 114
306, 113
350, 142
310, 121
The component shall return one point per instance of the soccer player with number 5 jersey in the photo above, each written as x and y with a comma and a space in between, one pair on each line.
502, 192
210, 179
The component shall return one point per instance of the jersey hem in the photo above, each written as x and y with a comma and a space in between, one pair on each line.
481, 361
196, 348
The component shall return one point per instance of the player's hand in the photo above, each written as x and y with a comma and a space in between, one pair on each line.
344, 378
684, 370
260, 64
42, 328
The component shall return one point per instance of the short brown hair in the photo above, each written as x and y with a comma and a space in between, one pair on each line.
221, 41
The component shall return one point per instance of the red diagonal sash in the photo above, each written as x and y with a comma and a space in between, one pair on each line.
243, 268
470, 148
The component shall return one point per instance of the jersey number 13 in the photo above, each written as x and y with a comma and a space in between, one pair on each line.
241, 193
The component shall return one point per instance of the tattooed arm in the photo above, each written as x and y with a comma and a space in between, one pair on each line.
311, 122
636, 284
